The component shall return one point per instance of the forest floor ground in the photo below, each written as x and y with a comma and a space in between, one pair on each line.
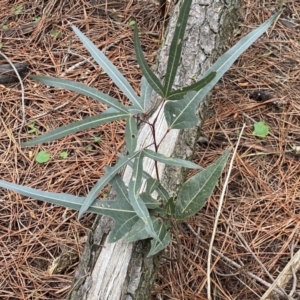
258, 229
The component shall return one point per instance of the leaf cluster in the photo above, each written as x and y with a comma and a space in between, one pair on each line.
143, 209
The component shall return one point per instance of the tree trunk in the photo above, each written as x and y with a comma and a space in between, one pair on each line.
121, 270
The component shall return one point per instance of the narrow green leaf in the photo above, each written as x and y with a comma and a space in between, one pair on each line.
179, 94
151, 185
162, 193
150, 202
137, 171
193, 194
228, 58
108, 67
120, 209
135, 200
147, 72
62, 199
170, 207
176, 46
180, 114
82, 89
131, 134
170, 160
109, 175
89, 122
146, 92
164, 237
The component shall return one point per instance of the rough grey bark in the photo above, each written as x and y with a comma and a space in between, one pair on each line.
121, 270
8, 75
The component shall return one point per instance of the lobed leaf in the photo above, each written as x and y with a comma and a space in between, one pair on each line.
137, 232
108, 67
87, 123
123, 222
120, 209
228, 58
180, 114
110, 173
194, 192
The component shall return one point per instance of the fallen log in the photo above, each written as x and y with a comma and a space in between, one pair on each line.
122, 270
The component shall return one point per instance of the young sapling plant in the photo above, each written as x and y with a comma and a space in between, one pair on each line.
144, 208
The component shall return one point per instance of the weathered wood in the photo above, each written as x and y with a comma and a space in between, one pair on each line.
121, 270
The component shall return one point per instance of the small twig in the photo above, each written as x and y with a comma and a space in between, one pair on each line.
292, 291
72, 68
294, 282
285, 275
22, 90
218, 216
